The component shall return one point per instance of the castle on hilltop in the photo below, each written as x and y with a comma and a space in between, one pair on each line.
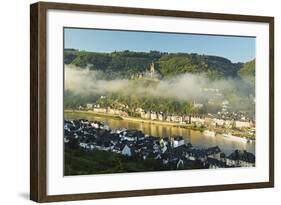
152, 70
150, 74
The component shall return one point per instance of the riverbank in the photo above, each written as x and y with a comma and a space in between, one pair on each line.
94, 113
163, 123
140, 120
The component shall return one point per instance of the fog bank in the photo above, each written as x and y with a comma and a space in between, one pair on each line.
182, 87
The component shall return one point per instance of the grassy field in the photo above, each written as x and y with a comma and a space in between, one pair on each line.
82, 162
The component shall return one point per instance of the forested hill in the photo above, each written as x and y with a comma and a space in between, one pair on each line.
126, 63
248, 69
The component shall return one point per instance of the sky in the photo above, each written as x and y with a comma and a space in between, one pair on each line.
234, 48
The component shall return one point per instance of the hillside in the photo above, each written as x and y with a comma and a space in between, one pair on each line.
126, 63
248, 69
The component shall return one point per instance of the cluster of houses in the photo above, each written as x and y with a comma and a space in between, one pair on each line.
225, 119
222, 119
171, 151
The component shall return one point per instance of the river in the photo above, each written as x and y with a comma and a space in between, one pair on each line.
196, 138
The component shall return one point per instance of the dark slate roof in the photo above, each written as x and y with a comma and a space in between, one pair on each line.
197, 153
242, 155
76, 122
178, 138
107, 144
134, 133
215, 162
67, 122
181, 150
213, 150
166, 139
114, 137
119, 146
152, 138
222, 155
72, 127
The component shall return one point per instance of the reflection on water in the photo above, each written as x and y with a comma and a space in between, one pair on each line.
196, 138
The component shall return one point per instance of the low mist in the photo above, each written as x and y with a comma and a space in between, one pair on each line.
183, 87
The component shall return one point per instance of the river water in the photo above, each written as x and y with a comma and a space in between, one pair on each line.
196, 138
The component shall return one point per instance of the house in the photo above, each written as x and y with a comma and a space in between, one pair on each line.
147, 150
219, 122
170, 158
95, 124
65, 140
241, 158
92, 146
151, 139
164, 149
139, 110
66, 128
164, 141
175, 118
197, 121
158, 156
99, 110
228, 123
180, 164
213, 152
156, 148
144, 154
89, 106
223, 157
212, 163
181, 151
209, 121
104, 138
242, 124
121, 131
168, 118
145, 115
160, 117
104, 127
106, 146
118, 148
83, 145
178, 141
196, 154
114, 111
124, 114
114, 138
68, 125
129, 137
133, 135
126, 151
153, 116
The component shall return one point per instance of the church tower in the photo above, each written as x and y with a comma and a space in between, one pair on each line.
152, 70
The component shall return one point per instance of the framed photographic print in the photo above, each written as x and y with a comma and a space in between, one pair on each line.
134, 102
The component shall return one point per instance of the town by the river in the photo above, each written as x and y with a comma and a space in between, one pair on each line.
195, 137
